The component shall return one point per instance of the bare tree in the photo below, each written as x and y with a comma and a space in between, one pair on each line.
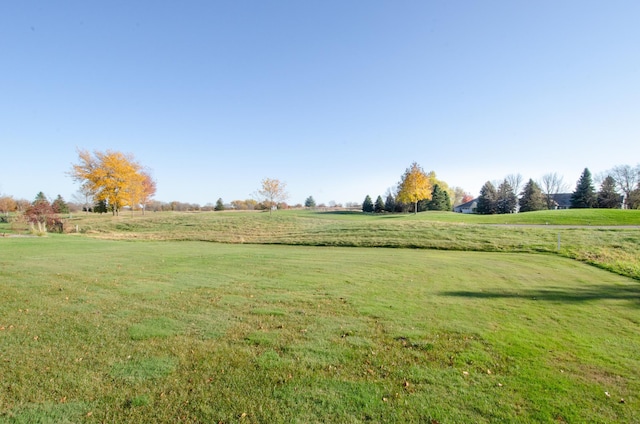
551, 184
272, 192
84, 197
627, 179
515, 181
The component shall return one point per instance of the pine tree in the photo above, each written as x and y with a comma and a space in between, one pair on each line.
446, 205
532, 198
40, 197
440, 200
219, 205
310, 202
390, 203
585, 195
379, 206
423, 205
100, 207
367, 205
608, 197
506, 200
59, 205
487, 199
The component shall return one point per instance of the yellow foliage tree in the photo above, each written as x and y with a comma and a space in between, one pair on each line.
414, 186
111, 176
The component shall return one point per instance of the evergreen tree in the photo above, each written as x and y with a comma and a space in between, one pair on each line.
402, 207
40, 197
423, 205
440, 200
100, 207
367, 205
310, 202
585, 195
447, 204
390, 203
379, 206
506, 200
532, 198
487, 200
219, 205
59, 205
608, 197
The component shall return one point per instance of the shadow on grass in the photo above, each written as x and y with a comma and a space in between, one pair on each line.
630, 293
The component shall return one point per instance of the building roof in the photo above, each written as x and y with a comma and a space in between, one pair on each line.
467, 204
563, 200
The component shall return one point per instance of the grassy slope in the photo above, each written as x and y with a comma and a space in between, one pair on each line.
613, 248
95, 330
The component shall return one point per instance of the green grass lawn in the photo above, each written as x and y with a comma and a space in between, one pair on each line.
185, 331
612, 247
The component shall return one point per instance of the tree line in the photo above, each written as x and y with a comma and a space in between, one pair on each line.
417, 191
619, 187
112, 180
41, 214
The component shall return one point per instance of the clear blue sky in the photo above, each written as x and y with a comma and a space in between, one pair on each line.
334, 97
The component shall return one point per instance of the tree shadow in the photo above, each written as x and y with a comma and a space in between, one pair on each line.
630, 293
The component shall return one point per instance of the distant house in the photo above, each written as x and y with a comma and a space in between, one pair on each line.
469, 207
561, 201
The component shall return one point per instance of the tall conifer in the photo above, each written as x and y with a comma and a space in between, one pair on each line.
584, 195
532, 198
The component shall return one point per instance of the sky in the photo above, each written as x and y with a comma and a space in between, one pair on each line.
335, 98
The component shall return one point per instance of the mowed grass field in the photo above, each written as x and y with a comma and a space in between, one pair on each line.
144, 323
609, 239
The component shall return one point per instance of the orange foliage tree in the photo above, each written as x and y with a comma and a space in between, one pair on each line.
112, 177
7, 204
148, 190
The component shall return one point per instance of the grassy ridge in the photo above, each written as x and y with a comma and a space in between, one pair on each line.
106, 331
616, 249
